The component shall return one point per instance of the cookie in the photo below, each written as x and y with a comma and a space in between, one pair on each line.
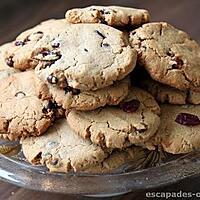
179, 129
111, 15
133, 121
22, 113
168, 54
166, 94
70, 98
82, 56
5, 70
104, 59
20, 54
61, 150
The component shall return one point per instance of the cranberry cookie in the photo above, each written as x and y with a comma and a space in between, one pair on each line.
168, 54
179, 129
132, 122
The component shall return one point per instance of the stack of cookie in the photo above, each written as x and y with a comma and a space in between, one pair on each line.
66, 89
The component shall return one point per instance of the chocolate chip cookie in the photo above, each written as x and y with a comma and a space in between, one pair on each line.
111, 15
70, 98
105, 58
61, 150
179, 129
5, 70
22, 113
20, 55
134, 121
166, 94
168, 54
82, 56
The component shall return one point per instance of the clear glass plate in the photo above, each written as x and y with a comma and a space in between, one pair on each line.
153, 169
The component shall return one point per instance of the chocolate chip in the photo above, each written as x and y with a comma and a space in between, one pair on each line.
19, 43
48, 64
133, 32
45, 53
106, 12
44, 110
39, 156
101, 11
51, 55
187, 119
51, 106
103, 21
55, 44
26, 40
130, 106
10, 62
93, 9
48, 56
105, 45
20, 94
86, 50
52, 79
100, 34
54, 161
72, 90
142, 130
170, 53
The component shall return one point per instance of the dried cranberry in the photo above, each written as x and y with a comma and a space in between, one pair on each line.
10, 62
187, 119
178, 63
130, 106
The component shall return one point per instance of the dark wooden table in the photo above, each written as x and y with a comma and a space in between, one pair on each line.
16, 16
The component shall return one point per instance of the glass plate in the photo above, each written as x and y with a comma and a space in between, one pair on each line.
152, 169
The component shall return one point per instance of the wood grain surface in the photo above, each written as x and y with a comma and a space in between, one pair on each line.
18, 15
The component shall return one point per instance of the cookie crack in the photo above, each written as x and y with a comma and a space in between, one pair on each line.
143, 121
170, 69
115, 129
